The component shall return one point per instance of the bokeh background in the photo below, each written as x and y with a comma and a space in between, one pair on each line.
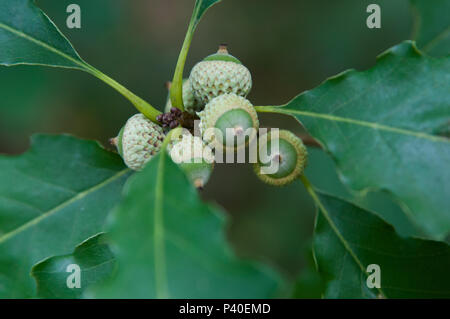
290, 46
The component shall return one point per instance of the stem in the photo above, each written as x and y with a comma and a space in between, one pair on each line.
267, 109
306, 138
176, 91
310, 190
141, 105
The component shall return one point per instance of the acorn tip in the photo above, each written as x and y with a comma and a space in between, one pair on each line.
223, 48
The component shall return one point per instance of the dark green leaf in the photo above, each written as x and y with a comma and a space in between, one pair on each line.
169, 244
52, 198
321, 171
28, 36
381, 126
93, 256
200, 8
432, 25
349, 238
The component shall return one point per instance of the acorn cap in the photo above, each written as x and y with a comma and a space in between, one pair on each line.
291, 158
219, 74
234, 117
138, 141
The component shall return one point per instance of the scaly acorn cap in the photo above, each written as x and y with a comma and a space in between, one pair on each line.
291, 158
138, 141
194, 157
218, 74
191, 104
229, 113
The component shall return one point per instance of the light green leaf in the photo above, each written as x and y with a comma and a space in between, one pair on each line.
169, 244
96, 262
176, 91
432, 25
382, 127
348, 239
52, 198
28, 36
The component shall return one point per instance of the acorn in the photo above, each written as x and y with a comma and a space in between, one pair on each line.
229, 121
288, 161
139, 141
191, 104
194, 157
218, 74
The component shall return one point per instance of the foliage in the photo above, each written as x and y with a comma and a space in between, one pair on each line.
52, 198
93, 256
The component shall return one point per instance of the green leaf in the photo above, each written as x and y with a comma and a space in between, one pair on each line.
176, 91
169, 244
96, 262
381, 127
52, 198
432, 26
200, 8
28, 36
348, 239
321, 171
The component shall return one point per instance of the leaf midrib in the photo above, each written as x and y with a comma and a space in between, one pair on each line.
66, 203
158, 232
21, 34
433, 42
372, 125
333, 226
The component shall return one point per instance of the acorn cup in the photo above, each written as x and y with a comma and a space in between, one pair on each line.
284, 164
228, 122
220, 73
138, 141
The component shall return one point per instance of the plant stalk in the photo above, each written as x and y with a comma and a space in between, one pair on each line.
142, 106
176, 91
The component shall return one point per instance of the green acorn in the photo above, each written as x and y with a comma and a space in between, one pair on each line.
194, 157
289, 160
138, 141
218, 74
229, 121
191, 104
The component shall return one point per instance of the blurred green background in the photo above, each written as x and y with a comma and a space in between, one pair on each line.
290, 46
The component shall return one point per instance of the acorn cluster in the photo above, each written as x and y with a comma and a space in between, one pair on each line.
215, 94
